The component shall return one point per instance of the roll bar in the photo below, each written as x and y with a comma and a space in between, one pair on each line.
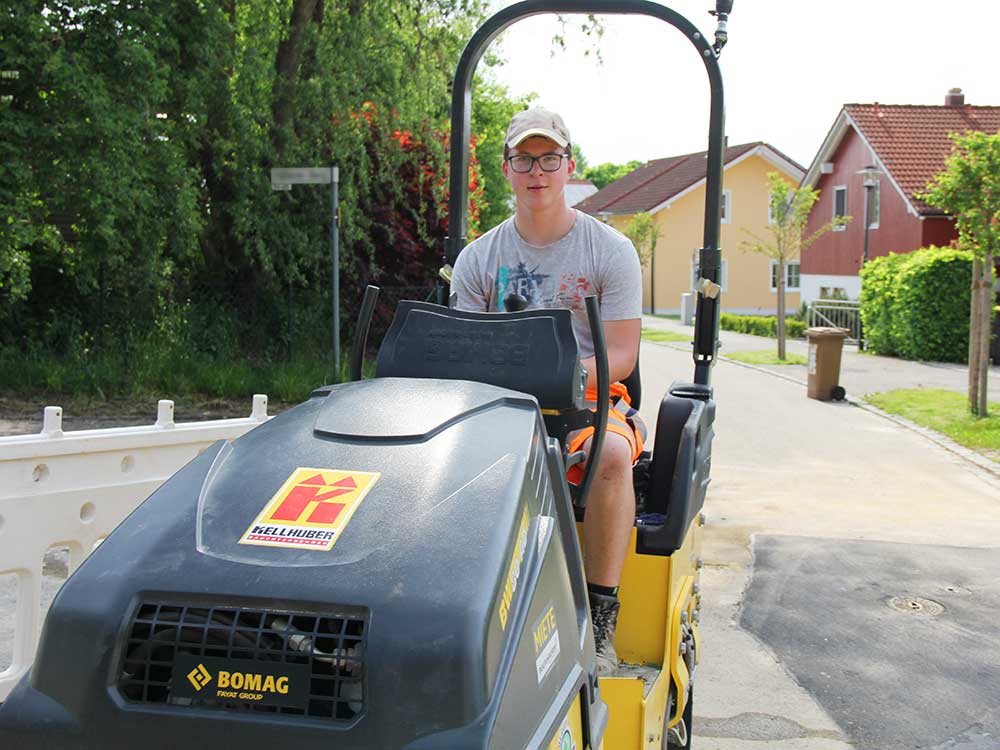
710, 257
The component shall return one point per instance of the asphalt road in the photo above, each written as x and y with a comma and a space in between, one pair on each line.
876, 631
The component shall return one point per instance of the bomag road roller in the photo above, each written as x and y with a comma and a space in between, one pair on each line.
395, 563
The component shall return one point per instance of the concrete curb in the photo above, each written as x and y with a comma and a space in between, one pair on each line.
943, 441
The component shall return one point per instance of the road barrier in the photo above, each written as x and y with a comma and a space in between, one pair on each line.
69, 490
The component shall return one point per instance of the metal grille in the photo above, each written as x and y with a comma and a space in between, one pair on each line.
838, 314
333, 647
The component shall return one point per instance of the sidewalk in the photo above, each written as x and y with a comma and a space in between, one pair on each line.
860, 373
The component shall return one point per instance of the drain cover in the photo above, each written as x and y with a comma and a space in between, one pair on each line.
916, 605
955, 590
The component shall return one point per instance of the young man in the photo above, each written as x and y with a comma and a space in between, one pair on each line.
555, 256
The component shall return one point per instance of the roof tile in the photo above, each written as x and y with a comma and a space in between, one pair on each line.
912, 141
657, 181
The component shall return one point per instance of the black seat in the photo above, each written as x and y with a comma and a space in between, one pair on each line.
532, 351
634, 385
671, 484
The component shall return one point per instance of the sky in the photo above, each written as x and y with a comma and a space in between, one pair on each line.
788, 68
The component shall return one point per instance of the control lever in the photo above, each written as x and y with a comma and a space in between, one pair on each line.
514, 302
361, 332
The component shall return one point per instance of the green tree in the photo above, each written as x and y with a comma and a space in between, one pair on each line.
785, 237
969, 189
138, 138
644, 232
492, 108
580, 159
606, 173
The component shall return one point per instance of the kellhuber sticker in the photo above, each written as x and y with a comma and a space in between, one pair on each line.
310, 510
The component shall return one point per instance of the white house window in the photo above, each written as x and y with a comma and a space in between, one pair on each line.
840, 205
695, 274
727, 206
792, 276
874, 206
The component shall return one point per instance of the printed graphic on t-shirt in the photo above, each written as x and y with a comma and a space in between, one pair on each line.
519, 280
572, 291
539, 289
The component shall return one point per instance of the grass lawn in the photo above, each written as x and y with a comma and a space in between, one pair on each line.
766, 357
651, 334
946, 412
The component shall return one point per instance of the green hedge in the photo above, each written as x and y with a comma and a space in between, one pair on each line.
760, 325
916, 305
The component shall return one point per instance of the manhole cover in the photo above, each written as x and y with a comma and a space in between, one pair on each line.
916, 605
954, 590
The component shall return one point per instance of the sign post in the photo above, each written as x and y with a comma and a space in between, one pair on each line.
335, 252
282, 178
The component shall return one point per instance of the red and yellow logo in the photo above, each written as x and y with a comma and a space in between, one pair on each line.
311, 509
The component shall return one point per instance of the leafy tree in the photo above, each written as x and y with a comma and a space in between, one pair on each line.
969, 189
582, 165
492, 109
644, 232
606, 173
785, 238
138, 141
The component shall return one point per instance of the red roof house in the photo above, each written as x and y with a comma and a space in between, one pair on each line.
908, 145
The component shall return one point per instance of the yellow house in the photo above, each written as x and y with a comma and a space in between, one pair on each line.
672, 190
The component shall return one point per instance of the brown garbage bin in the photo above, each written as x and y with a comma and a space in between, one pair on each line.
825, 347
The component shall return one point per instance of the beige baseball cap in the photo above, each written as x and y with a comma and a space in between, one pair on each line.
537, 122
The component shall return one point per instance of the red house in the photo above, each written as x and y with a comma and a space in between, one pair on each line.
908, 145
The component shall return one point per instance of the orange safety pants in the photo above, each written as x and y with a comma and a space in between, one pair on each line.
622, 420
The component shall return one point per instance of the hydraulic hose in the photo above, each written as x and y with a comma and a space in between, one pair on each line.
603, 396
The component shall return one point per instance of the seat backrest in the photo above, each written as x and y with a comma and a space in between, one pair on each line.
680, 467
532, 351
634, 384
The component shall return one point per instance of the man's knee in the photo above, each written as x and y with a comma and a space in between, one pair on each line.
616, 456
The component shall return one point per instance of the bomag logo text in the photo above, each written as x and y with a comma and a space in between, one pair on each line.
514, 570
252, 682
199, 677
481, 348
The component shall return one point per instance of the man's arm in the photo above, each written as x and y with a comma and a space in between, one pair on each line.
466, 283
622, 340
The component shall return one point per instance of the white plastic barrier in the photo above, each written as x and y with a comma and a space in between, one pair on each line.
70, 490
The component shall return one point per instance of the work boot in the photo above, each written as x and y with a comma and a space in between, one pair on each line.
604, 615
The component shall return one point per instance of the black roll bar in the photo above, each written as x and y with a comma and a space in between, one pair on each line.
710, 257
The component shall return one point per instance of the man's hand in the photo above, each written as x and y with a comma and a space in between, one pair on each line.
622, 340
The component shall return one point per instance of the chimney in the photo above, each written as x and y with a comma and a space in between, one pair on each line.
954, 98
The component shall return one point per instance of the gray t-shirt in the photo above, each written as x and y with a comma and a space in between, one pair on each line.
592, 258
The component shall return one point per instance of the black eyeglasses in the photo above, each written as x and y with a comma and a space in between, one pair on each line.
522, 163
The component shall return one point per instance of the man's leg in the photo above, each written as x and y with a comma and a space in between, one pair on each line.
607, 528
607, 525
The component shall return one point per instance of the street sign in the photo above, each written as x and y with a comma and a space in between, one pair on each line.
282, 178
301, 176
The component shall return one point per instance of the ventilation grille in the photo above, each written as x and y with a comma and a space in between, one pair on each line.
332, 647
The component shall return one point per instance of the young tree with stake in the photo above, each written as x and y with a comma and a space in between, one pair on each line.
785, 239
969, 189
